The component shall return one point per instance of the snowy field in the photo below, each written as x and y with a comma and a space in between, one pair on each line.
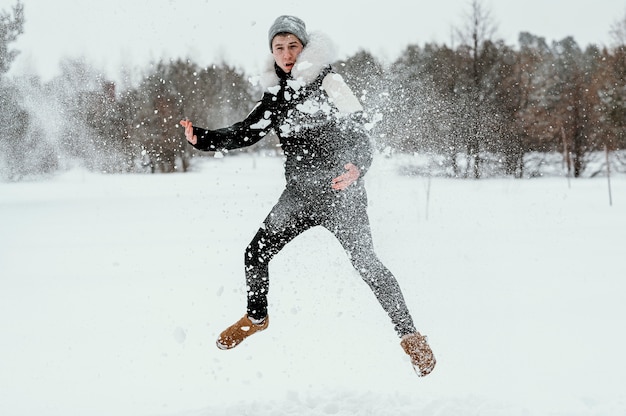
113, 289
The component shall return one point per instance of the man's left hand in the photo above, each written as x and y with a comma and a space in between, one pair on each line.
341, 182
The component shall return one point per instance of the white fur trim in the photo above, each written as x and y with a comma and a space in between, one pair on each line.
341, 94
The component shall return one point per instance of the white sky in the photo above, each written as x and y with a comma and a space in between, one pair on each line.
116, 33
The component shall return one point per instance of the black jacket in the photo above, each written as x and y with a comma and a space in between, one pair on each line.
316, 139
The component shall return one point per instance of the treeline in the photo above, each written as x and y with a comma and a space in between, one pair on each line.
83, 119
481, 106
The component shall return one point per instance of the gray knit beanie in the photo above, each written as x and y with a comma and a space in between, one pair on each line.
289, 24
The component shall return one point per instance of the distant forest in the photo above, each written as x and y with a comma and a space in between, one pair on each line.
482, 106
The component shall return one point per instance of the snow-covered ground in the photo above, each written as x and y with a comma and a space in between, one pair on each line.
113, 289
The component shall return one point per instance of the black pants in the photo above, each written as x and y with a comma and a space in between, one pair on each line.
344, 213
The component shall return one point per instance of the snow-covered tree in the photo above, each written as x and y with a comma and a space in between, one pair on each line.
11, 26
13, 118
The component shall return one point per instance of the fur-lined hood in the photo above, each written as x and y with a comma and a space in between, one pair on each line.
318, 53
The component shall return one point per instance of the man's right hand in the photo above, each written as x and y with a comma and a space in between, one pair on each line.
191, 138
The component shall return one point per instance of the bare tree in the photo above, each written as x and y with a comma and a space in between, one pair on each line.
476, 40
618, 32
478, 29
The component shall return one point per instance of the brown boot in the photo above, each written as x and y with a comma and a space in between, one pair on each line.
240, 330
422, 358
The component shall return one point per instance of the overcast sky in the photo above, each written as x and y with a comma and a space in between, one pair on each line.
116, 33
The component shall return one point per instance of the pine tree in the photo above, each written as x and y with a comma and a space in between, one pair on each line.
11, 26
